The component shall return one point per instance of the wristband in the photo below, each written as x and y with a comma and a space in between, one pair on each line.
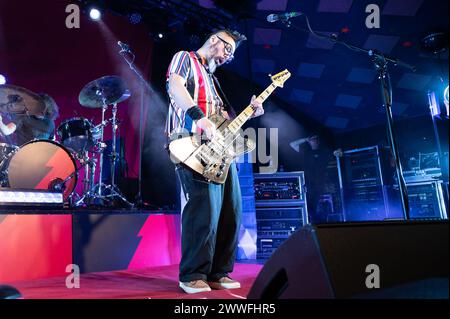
195, 113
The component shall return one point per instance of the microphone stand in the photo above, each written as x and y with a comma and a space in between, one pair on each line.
144, 85
380, 62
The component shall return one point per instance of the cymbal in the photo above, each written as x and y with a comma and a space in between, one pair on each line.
108, 89
18, 100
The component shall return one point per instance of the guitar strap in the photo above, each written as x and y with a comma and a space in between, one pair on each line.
230, 110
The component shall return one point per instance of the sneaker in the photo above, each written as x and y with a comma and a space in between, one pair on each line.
224, 283
194, 286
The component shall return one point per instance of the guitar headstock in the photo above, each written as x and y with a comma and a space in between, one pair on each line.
279, 78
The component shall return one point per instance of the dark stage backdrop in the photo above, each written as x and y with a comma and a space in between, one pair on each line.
38, 52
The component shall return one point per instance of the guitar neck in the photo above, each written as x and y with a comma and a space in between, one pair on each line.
243, 117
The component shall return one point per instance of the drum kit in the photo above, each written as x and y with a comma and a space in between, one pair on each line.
52, 165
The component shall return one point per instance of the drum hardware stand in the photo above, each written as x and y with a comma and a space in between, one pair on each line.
115, 192
90, 193
60, 185
95, 192
113, 146
90, 168
100, 93
102, 144
88, 181
89, 173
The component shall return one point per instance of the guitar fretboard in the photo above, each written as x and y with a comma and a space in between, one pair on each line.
240, 120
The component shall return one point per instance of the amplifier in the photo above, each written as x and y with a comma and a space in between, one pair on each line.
419, 176
280, 209
426, 200
278, 225
362, 167
280, 189
275, 225
363, 176
277, 233
266, 246
281, 217
280, 213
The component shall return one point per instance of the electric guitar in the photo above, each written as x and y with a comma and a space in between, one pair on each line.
212, 159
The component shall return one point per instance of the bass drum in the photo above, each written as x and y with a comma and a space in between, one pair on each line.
42, 164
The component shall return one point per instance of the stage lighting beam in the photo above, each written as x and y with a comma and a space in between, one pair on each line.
433, 104
446, 99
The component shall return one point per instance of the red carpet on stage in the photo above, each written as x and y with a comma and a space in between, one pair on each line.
157, 283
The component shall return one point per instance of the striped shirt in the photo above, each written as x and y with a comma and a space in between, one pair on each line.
199, 84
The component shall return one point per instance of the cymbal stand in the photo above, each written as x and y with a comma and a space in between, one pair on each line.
101, 190
115, 192
88, 181
113, 147
89, 173
102, 144
91, 191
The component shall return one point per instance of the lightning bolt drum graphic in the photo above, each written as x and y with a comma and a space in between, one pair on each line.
39, 164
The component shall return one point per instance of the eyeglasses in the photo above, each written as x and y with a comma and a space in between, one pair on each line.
228, 49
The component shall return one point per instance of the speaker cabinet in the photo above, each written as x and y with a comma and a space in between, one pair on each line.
337, 261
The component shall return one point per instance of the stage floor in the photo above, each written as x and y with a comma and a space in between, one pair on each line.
148, 283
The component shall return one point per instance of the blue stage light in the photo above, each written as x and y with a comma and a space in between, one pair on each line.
2, 79
135, 18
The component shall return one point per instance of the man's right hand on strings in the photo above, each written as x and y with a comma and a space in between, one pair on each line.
208, 127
